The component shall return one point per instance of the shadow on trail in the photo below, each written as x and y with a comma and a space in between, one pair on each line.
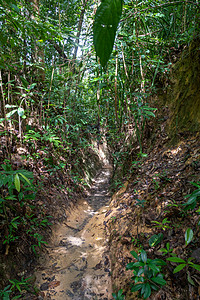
99, 192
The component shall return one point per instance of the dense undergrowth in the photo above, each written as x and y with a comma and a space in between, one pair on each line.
40, 180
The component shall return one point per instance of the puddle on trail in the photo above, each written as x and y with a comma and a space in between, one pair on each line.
76, 265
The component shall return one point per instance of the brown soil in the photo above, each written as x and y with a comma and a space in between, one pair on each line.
160, 183
76, 264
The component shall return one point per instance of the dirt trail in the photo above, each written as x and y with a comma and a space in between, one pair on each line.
76, 265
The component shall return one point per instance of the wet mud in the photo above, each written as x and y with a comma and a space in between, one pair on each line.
76, 264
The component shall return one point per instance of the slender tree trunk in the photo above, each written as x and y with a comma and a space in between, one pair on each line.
140, 56
125, 68
116, 96
38, 50
3, 111
80, 24
52, 73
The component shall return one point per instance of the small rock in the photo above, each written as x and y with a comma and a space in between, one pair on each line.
196, 255
69, 293
51, 278
44, 286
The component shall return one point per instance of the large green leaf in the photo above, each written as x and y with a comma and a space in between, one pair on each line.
197, 267
134, 254
176, 259
179, 268
17, 182
144, 256
188, 236
136, 287
147, 290
27, 180
107, 18
11, 113
159, 280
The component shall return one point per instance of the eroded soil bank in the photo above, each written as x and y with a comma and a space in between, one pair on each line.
76, 263
151, 202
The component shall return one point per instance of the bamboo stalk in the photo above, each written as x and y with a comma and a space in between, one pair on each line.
116, 73
3, 111
125, 68
50, 85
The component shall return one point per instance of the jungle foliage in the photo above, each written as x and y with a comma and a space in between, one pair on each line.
50, 75
76, 71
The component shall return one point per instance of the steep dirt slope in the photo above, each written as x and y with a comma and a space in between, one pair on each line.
151, 201
155, 192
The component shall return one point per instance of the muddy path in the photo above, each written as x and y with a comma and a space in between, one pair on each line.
76, 264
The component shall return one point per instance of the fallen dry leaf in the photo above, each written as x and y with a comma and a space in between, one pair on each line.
54, 284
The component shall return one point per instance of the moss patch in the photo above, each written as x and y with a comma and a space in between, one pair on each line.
184, 92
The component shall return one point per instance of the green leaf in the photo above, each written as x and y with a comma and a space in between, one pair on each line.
114, 296
190, 259
195, 184
106, 21
2, 200
143, 256
15, 7
129, 266
163, 250
13, 197
18, 287
140, 272
120, 294
159, 280
154, 267
155, 239
138, 264
191, 200
134, 254
190, 279
150, 113
20, 111
147, 290
149, 108
17, 182
197, 267
158, 262
27, 180
179, 268
10, 106
24, 82
136, 287
196, 192
4, 167
176, 259
5, 180
11, 113
6, 295
188, 236
32, 86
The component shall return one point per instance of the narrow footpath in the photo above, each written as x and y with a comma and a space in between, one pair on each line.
76, 265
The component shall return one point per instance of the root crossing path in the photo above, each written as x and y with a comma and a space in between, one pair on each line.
76, 265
